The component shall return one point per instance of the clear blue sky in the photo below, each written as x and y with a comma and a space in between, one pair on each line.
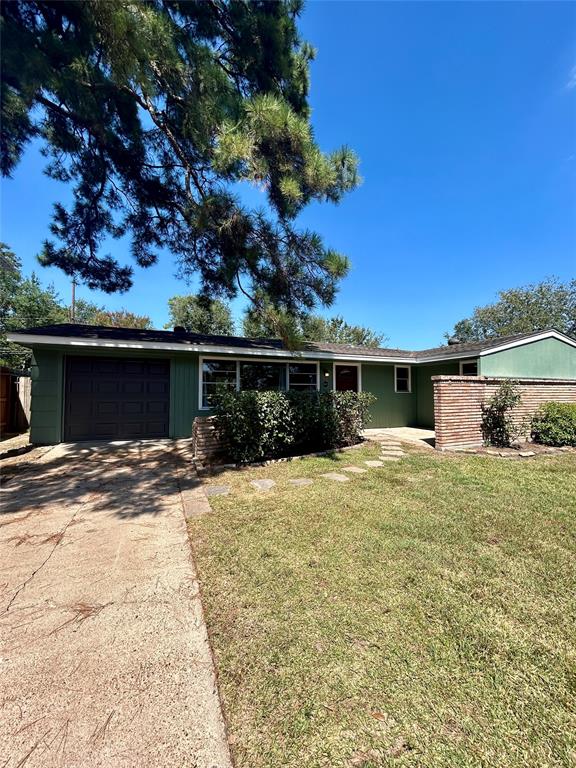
464, 118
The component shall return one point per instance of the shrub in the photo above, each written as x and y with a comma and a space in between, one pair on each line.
263, 425
555, 424
498, 425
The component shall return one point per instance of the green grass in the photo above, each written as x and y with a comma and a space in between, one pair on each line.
419, 615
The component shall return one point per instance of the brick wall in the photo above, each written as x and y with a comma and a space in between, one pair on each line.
207, 442
458, 405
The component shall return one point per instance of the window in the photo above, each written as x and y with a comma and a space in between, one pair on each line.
303, 376
262, 376
402, 378
215, 374
469, 369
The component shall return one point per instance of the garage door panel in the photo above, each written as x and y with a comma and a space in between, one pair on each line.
116, 399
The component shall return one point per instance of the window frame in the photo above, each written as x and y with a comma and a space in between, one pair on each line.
237, 360
401, 391
303, 362
467, 362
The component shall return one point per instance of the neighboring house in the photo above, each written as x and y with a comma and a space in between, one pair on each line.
93, 382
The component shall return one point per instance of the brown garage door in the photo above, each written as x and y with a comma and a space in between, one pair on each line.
111, 399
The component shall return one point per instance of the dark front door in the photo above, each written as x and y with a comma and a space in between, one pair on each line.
116, 399
346, 378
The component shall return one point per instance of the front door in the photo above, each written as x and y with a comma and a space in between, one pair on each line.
346, 378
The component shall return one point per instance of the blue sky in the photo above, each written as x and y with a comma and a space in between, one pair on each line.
464, 119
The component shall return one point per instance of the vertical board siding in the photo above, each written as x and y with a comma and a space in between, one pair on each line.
391, 409
184, 395
46, 396
458, 405
425, 389
544, 359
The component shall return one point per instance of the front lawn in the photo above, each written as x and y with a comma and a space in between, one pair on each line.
421, 614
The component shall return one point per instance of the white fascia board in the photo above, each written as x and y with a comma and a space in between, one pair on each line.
530, 340
33, 339
214, 349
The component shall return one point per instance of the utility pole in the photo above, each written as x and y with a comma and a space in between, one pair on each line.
73, 305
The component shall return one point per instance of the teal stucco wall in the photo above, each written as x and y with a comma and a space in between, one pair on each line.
545, 359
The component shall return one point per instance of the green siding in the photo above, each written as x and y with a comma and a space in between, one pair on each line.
391, 409
47, 389
425, 389
184, 395
326, 367
545, 359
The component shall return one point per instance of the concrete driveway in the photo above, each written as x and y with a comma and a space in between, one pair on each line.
104, 656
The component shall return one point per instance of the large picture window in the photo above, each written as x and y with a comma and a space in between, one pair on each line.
303, 377
262, 376
259, 375
215, 374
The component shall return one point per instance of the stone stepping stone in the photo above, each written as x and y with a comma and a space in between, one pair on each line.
390, 458
371, 463
355, 470
335, 476
299, 482
263, 485
392, 452
217, 490
386, 444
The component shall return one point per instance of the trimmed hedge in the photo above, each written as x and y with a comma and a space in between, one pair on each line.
555, 424
267, 425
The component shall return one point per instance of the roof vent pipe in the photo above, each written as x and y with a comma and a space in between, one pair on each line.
179, 329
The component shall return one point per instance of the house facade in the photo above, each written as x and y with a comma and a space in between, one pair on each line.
97, 383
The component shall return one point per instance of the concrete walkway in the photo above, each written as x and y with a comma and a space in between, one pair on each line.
415, 435
104, 655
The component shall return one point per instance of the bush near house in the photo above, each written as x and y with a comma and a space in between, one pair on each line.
555, 424
498, 425
265, 425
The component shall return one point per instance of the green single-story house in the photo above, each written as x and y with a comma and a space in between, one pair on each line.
98, 383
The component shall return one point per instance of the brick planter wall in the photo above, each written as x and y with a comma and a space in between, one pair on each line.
207, 442
458, 405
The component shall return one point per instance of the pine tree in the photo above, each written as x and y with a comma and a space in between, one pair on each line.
154, 111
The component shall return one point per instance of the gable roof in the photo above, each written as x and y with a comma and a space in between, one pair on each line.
72, 334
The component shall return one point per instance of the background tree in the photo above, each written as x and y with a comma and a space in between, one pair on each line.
154, 111
24, 303
200, 315
549, 304
312, 327
88, 313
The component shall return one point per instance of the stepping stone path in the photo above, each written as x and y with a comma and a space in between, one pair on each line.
263, 485
217, 490
336, 476
390, 451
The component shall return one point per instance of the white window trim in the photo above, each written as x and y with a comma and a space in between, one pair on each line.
468, 362
239, 360
409, 391
302, 362
346, 364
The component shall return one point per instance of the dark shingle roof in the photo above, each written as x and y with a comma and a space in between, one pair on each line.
73, 330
